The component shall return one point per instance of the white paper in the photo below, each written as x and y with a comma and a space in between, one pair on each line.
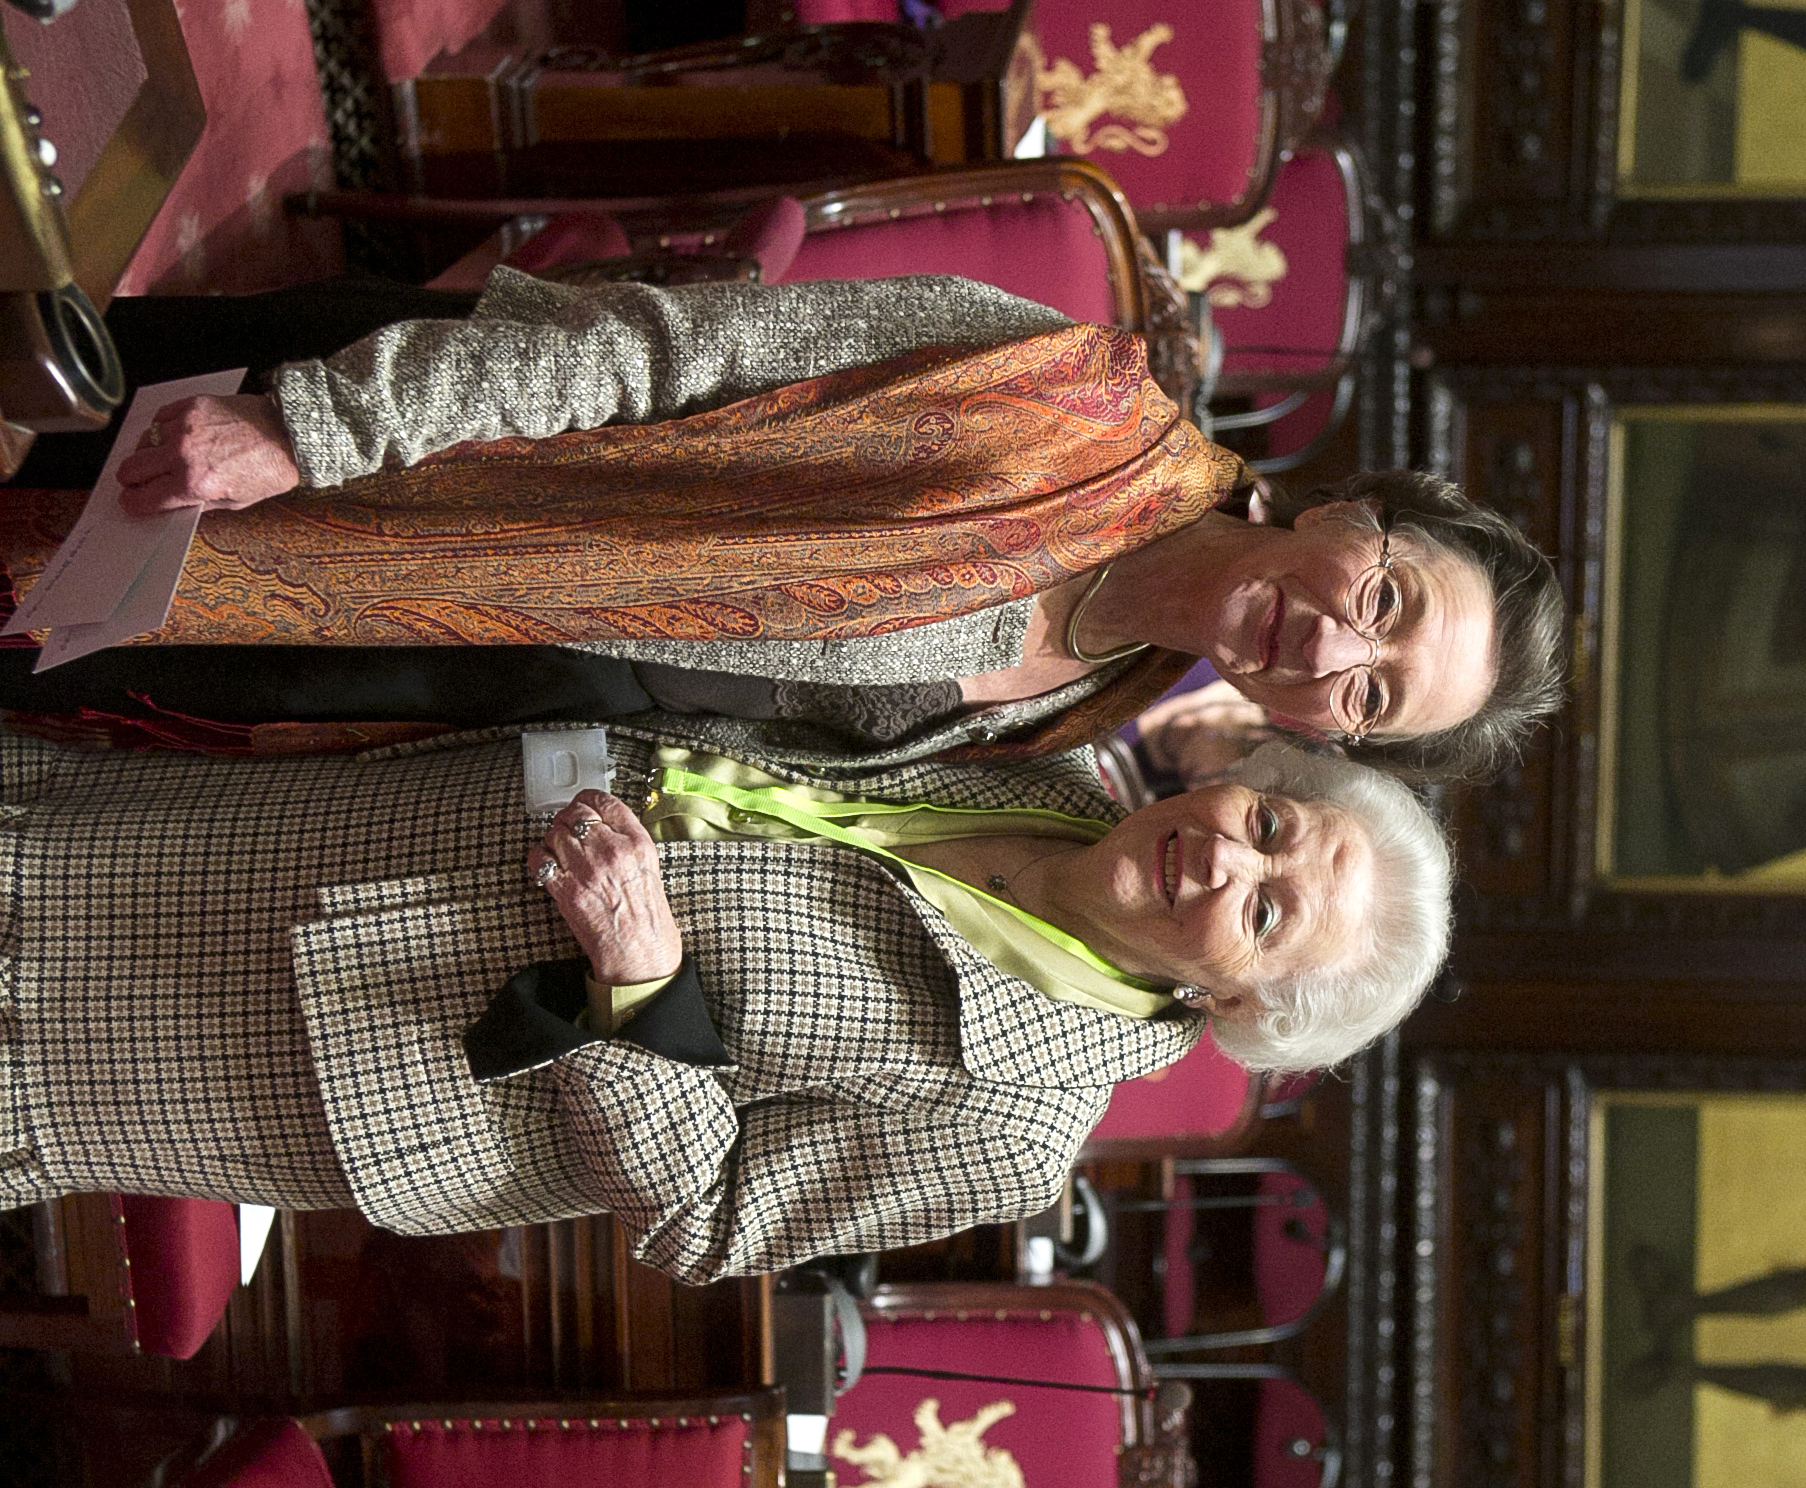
254, 1221
144, 608
95, 569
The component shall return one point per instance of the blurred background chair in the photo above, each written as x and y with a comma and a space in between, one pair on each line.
1292, 296
1231, 1253
127, 1273
1034, 1344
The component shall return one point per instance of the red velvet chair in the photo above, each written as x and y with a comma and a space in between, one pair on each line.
723, 1441
1292, 296
1055, 230
1300, 1253
1205, 1103
128, 1273
1026, 1343
1191, 109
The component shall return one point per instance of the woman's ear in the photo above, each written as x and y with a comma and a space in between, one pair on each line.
1341, 511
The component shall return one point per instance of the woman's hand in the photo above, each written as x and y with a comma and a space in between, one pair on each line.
220, 454
603, 876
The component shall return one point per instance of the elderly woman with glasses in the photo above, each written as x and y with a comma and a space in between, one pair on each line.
756, 1015
874, 521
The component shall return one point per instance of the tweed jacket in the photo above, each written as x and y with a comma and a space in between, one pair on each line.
250, 979
535, 359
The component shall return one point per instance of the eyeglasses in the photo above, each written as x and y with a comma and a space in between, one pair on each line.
1371, 609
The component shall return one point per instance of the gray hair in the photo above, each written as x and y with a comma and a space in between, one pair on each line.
1527, 648
1324, 1015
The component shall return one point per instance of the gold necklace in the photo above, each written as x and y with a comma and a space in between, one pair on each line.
999, 883
1078, 652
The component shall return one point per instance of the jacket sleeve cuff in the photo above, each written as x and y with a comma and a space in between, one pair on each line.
533, 1021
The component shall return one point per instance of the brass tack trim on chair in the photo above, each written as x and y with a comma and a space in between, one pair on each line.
447, 1425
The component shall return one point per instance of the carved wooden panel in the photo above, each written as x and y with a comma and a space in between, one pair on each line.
1513, 449
1497, 1269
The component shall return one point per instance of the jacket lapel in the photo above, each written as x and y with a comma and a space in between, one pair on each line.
1012, 1032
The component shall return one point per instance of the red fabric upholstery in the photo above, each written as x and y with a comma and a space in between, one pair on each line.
413, 32
606, 1454
572, 237
827, 12
1288, 1272
1300, 327
1199, 1096
771, 232
184, 1255
1044, 250
1286, 1413
1215, 53
266, 1454
1295, 430
1179, 1282
1056, 1436
223, 227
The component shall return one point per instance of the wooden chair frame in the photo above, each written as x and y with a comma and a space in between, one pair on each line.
762, 1410
1372, 280
85, 1276
1155, 1449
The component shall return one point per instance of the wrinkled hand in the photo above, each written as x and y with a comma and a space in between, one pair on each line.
220, 454
606, 884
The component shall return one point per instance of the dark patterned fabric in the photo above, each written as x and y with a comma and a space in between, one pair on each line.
249, 979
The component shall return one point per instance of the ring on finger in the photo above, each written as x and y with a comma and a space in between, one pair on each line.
155, 436
581, 827
545, 872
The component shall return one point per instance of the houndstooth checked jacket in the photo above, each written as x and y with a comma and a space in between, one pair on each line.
248, 979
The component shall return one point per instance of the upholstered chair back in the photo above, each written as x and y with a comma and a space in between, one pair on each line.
1201, 1103
1280, 302
900, 1428
1045, 248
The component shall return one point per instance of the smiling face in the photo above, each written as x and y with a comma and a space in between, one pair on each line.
1275, 623
1225, 887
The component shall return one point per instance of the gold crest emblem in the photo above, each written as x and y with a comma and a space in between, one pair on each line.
947, 1457
1237, 270
1124, 85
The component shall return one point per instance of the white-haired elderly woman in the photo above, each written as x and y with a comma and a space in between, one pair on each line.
757, 1018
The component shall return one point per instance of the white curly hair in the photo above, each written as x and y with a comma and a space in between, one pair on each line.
1320, 1017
